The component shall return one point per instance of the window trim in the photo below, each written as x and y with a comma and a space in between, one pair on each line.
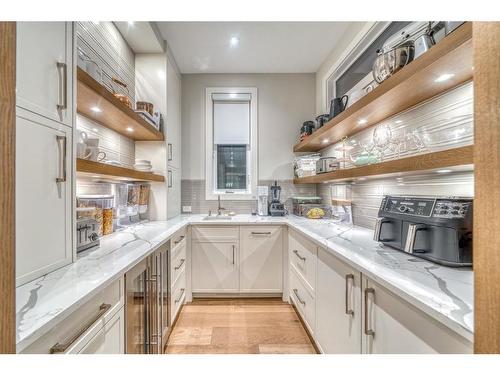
210, 193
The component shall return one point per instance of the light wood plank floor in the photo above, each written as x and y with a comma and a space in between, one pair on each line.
239, 326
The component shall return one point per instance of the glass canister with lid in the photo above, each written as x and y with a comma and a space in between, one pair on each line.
98, 207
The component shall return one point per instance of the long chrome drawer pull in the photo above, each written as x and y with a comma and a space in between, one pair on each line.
368, 331
299, 256
62, 158
180, 264
296, 292
180, 240
234, 247
348, 309
180, 295
61, 348
64, 84
263, 233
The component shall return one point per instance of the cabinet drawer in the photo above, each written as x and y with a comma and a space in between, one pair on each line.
178, 294
91, 316
178, 261
178, 240
215, 234
110, 339
303, 257
303, 300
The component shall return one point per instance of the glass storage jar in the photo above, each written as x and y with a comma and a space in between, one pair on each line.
102, 213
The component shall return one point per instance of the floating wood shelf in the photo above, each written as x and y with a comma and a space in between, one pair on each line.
460, 158
413, 84
113, 114
87, 168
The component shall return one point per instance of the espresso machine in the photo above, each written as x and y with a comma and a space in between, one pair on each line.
435, 229
276, 208
262, 200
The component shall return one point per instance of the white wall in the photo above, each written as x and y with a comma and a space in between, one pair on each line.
324, 70
285, 101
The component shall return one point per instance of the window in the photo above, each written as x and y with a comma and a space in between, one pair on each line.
231, 143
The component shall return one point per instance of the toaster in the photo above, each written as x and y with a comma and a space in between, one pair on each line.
327, 164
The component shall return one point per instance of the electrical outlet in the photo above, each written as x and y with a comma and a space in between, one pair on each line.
186, 209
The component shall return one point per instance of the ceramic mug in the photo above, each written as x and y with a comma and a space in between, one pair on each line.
81, 151
82, 137
95, 154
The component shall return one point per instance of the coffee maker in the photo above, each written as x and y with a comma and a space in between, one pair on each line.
276, 208
435, 229
262, 200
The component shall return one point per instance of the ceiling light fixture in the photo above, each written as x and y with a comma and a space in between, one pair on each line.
443, 171
362, 121
130, 130
444, 77
234, 41
96, 109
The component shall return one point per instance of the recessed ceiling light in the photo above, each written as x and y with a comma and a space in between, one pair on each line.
96, 109
443, 171
324, 141
362, 121
444, 77
130, 130
234, 41
131, 23
398, 121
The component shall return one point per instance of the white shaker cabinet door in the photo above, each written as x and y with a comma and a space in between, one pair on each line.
43, 203
44, 69
173, 116
261, 259
110, 339
392, 326
173, 192
215, 267
338, 306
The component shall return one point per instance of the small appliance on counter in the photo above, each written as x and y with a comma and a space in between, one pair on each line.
327, 164
276, 208
436, 229
262, 200
87, 229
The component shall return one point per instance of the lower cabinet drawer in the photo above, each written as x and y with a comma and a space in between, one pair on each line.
75, 331
178, 295
110, 339
303, 300
178, 261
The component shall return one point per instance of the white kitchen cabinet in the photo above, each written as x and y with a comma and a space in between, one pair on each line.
173, 192
261, 259
303, 299
43, 196
173, 118
215, 267
110, 339
44, 82
338, 306
392, 326
302, 256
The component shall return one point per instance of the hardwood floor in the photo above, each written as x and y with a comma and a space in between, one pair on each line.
239, 326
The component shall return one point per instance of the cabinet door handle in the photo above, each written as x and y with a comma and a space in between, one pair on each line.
64, 68
296, 292
368, 331
170, 153
348, 309
62, 142
61, 348
180, 264
233, 252
180, 240
169, 178
296, 252
262, 233
180, 295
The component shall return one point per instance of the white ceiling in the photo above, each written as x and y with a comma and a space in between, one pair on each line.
264, 47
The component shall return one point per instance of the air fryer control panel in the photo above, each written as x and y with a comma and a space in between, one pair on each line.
450, 209
427, 207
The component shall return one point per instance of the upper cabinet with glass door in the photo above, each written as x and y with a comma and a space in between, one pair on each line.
44, 80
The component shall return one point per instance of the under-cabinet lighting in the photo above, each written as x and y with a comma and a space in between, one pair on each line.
324, 141
234, 41
398, 121
443, 171
401, 184
362, 121
361, 178
130, 130
95, 130
444, 77
399, 179
96, 109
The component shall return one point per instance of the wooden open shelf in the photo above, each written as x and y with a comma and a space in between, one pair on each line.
413, 84
114, 114
87, 168
460, 158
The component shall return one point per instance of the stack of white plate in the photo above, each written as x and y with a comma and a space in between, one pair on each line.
143, 165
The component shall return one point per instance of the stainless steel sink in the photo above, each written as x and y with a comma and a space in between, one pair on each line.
218, 217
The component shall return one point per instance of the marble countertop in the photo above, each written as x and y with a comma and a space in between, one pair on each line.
442, 292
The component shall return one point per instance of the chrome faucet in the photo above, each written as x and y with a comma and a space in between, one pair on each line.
219, 208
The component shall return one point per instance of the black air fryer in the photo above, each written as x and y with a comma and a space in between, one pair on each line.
436, 229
